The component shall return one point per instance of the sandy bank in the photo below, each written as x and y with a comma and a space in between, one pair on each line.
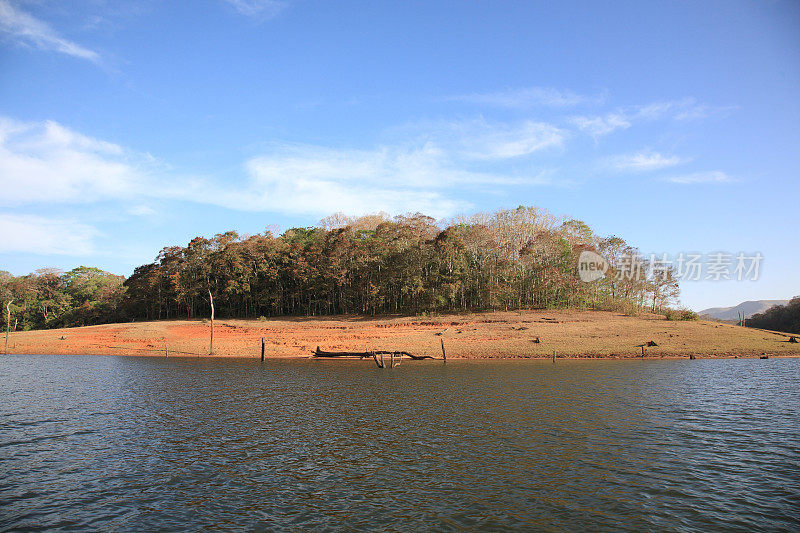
472, 336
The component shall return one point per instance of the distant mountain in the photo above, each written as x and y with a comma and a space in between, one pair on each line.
749, 308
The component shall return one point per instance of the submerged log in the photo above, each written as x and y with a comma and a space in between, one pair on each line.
322, 353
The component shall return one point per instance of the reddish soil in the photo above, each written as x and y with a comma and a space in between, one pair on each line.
474, 336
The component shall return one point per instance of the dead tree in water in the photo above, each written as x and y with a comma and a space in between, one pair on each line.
362, 355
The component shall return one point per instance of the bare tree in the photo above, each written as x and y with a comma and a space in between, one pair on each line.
8, 322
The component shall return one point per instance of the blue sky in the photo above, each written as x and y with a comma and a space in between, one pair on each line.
129, 126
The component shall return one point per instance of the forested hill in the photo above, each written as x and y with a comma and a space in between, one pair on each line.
779, 317
511, 259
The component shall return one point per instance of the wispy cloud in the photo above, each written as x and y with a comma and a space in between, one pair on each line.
527, 97
712, 176
599, 126
258, 9
624, 117
321, 180
684, 109
479, 139
46, 162
26, 29
323, 186
141, 210
46, 236
642, 162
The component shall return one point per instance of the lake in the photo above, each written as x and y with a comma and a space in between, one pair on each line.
131, 443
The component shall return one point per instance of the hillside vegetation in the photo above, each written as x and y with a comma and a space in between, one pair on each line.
779, 318
523, 258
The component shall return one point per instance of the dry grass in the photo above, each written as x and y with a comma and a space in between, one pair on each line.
474, 336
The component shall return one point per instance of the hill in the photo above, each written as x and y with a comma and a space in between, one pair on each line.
473, 336
749, 309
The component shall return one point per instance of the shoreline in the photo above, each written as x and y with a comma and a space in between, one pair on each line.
530, 334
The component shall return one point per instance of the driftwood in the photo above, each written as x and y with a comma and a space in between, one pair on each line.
373, 354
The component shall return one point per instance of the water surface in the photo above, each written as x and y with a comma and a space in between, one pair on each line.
129, 443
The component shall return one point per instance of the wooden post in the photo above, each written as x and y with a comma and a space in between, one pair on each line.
554, 356
444, 355
262, 349
391, 360
8, 322
642, 350
165, 349
211, 344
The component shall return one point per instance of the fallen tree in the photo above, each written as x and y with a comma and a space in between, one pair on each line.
362, 355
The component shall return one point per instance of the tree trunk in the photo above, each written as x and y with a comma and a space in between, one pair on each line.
8, 322
211, 344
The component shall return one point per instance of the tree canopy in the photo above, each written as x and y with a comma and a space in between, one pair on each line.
511, 259
779, 317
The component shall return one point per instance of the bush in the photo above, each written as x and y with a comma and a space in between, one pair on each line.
620, 305
680, 314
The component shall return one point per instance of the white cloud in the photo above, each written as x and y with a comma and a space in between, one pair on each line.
501, 142
527, 97
685, 109
46, 236
602, 125
712, 176
27, 29
320, 180
481, 140
261, 9
625, 117
643, 162
417, 172
141, 210
46, 162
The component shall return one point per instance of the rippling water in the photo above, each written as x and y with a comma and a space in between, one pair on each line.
132, 443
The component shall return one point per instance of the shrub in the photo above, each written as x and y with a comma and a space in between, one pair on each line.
680, 314
620, 305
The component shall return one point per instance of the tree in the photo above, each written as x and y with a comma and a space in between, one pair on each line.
510, 259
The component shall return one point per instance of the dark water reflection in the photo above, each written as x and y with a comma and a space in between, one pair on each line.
157, 444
